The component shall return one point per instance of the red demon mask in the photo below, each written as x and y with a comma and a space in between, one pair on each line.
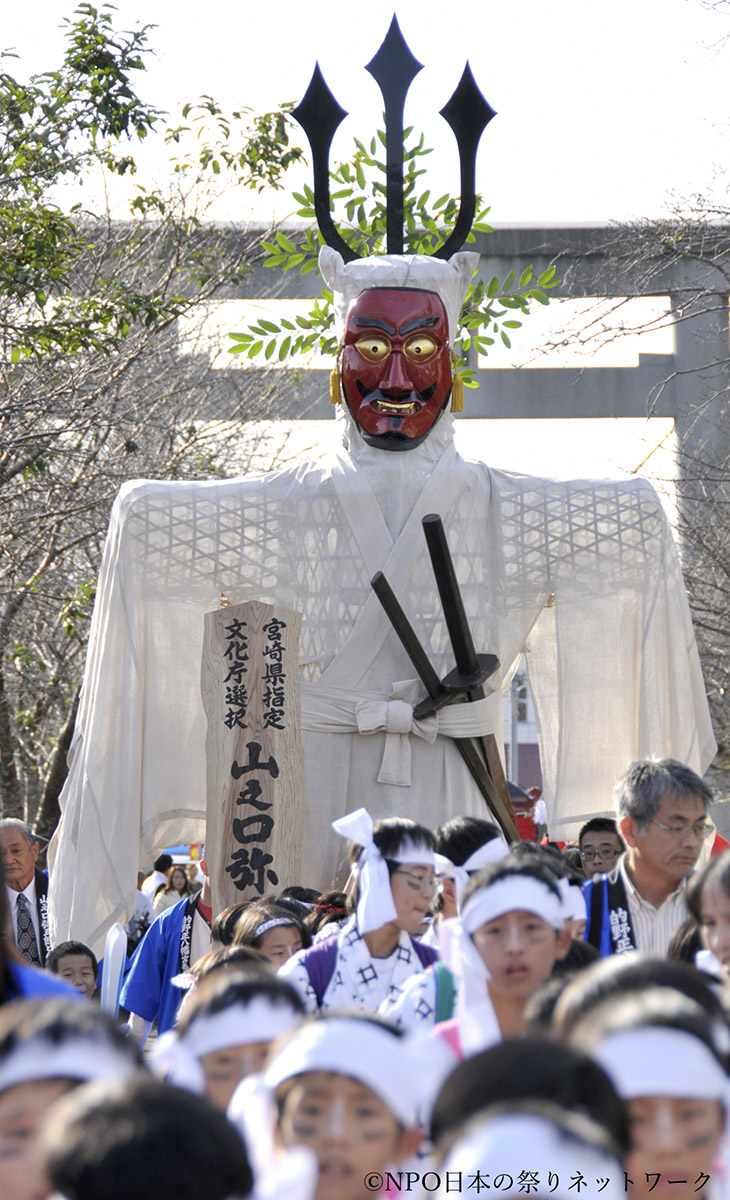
396, 370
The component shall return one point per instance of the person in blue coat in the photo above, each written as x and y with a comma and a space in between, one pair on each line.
173, 942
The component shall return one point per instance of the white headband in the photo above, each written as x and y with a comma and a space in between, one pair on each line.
78, 1058
391, 1066
375, 906
515, 1143
261, 1020
490, 852
267, 925
655, 1060
513, 892
574, 902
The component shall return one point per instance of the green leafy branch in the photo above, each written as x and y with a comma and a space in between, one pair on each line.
491, 310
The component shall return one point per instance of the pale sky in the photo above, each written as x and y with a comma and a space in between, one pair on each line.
604, 108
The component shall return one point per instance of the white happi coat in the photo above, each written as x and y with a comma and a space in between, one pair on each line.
582, 577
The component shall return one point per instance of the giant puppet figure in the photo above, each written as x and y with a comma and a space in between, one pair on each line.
581, 577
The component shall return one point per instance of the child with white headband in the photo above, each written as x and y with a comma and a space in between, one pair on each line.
274, 931
348, 1087
501, 950
463, 846
46, 1049
667, 1058
224, 1031
375, 953
555, 1150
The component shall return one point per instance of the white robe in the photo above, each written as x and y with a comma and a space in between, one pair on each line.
583, 577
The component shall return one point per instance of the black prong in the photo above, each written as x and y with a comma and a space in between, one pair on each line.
394, 68
320, 115
468, 114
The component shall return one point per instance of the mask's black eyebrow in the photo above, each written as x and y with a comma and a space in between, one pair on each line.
374, 323
419, 323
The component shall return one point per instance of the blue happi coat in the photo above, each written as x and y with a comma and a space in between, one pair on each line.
163, 953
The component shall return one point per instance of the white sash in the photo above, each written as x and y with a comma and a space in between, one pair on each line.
338, 710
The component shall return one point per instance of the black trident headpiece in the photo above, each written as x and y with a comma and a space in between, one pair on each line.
394, 68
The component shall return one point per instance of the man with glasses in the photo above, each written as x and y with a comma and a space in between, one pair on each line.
600, 845
661, 808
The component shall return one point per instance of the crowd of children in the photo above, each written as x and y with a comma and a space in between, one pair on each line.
441, 1026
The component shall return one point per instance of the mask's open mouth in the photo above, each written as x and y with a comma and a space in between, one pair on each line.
396, 408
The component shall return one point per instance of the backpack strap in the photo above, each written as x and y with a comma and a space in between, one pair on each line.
320, 964
444, 992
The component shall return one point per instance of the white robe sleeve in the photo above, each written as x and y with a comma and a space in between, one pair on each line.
615, 674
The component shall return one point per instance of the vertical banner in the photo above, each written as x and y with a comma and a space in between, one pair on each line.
255, 767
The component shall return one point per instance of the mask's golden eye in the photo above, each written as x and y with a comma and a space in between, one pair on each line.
374, 348
420, 348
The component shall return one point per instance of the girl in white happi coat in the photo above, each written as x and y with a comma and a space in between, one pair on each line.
375, 954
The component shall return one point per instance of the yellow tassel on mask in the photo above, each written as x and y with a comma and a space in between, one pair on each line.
457, 387
335, 393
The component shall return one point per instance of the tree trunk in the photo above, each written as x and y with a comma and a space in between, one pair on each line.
49, 812
11, 798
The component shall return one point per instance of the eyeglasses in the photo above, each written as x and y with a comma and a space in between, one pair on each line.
419, 883
699, 831
603, 852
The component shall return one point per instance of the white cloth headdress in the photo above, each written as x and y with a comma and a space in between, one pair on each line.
450, 280
76, 1058
176, 1057
490, 852
513, 1143
656, 1060
375, 906
403, 1071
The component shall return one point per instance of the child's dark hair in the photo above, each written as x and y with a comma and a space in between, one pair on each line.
392, 836
223, 989
653, 1006
506, 868
332, 906
551, 857
530, 1067
66, 948
629, 974
57, 1021
458, 838
227, 957
146, 1139
685, 942
223, 929
576, 1130
715, 874
395, 834
257, 915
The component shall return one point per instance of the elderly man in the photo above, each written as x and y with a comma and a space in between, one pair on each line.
662, 815
27, 888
